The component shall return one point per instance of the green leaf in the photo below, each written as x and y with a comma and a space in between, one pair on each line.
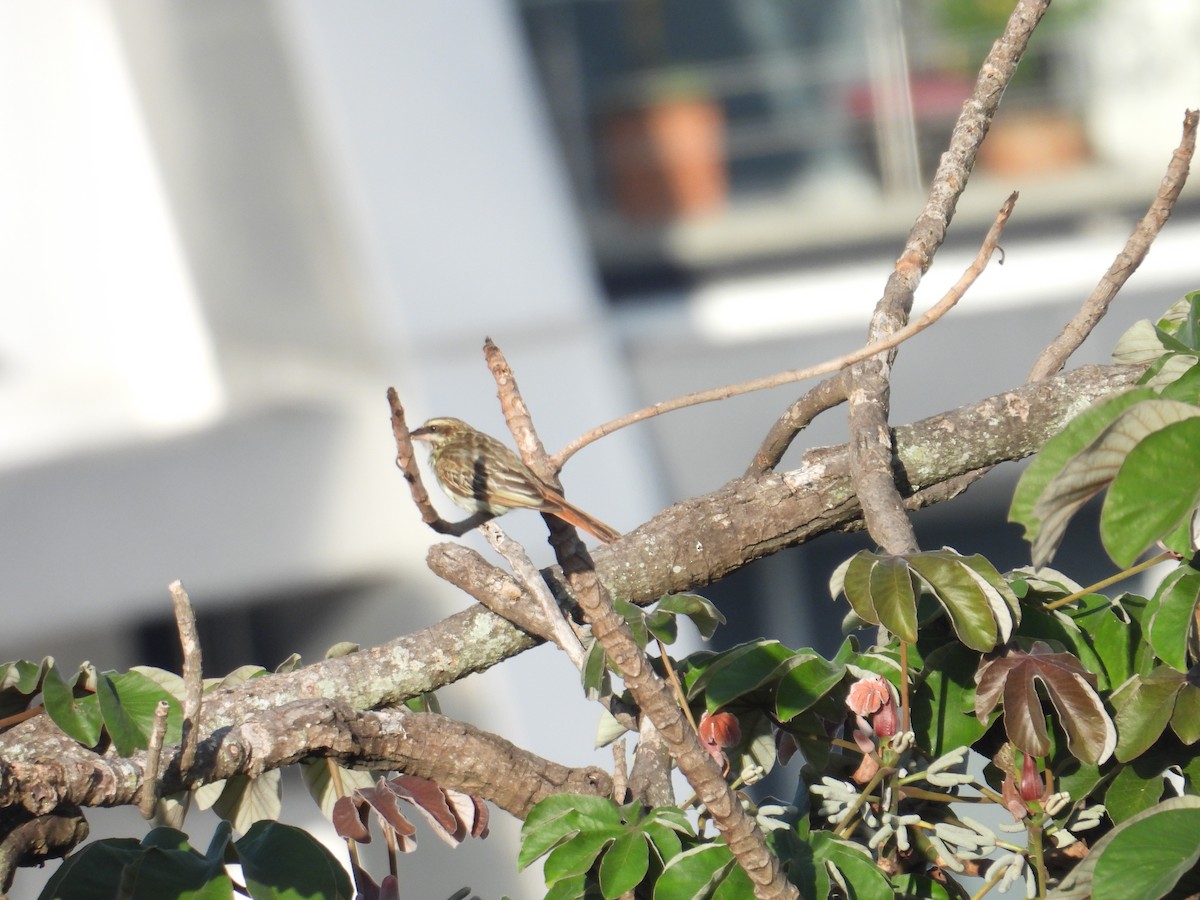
561, 816
624, 865
1156, 487
635, 617
577, 855
892, 596
1144, 706
282, 862
704, 615
595, 670
246, 800
1094, 468
958, 592
1185, 721
856, 585
695, 873
808, 678
741, 670
919, 887
568, 889
178, 874
1147, 855
1185, 388
127, 703
663, 626
943, 698
1060, 450
1170, 615
19, 681
666, 841
1114, 634
1131, 792
78, 717
93, 872
855, 864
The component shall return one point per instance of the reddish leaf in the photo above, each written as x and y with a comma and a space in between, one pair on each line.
383, 802
1091, 735
350, 820
430, 799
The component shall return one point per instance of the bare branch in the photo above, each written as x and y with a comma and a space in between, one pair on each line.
555, 624
821, 397
882, 507
759, 384
193, 674
741, 832
868, 386
494, 588
148, 797
1055, 356
406, 462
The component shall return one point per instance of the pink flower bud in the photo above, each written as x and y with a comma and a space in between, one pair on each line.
1032, 786
887, 720
718, 732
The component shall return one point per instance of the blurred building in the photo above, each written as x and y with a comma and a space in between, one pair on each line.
230, 225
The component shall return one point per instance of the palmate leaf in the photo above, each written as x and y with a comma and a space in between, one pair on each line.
882, 590
1091, 735
1094, 467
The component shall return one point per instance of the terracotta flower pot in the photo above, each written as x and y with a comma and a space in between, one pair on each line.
1033, 143
666, 159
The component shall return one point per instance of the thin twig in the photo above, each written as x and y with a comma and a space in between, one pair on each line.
193, 674
152, 774
680, 696
821, 397
406, 462
1055, 356
835, 364
555, 623
1100, 585
516, 414
1056, 353
620, 773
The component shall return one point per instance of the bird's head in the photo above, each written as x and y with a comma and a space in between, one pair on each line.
439, 431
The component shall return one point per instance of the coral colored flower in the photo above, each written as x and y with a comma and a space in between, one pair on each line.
868, 695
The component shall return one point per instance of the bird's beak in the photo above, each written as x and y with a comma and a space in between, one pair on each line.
420, 434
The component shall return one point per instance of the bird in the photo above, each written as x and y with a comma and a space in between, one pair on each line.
481, 474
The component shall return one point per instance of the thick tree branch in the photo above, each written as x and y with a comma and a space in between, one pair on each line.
425, 744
